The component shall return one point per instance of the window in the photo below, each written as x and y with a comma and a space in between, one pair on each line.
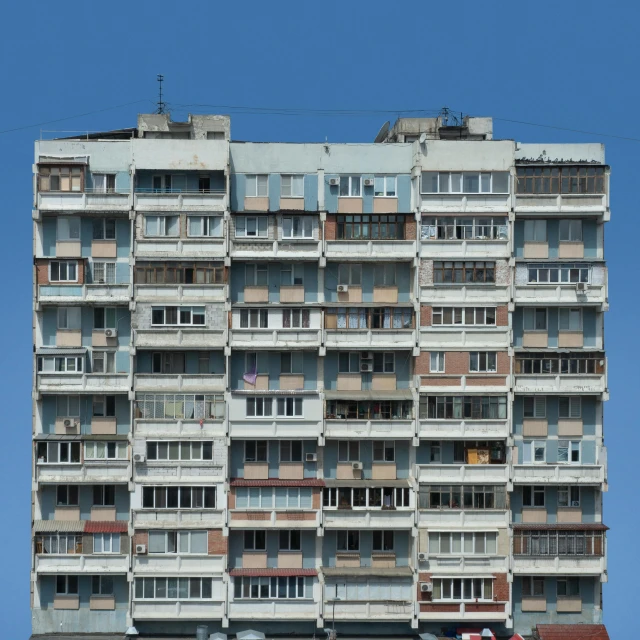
369, 410
464, 272
178, 497
183, 542
169, 362
295, 318
384, 187
463, 316
371, 227
534, 451
534, 319
255, 540
180, 450
94, 450
66, 585
435, 452
466, 182
59, 543
161, 226
568, 587
106, 543
462, 497
63, 271
467, 543
291, 186
166, 183
349, 362
570, 319
535, 230
568, 496
289, 407
252, 226
255, 275
467, 228
257, 186
383, 541
103, 272
67, 495
569, 407
104, 495
259, 407
68, 406
103, 362
204, 226
558, 273
348, 450
570, 230
532, 587
254, 319
104, 406
173, 588
69, 318
204, 184
565, 179
183, 316
482, 361
179, 273
533, 496
273, 497
297, 227
384, 362
384, 451
104, 318
570, 363
436, 362
377, 318
559, 542
534, 406
384, 274
347, 540
459, 452
259, 588
160, 406
289, 540
569, 451
291, 451
291, 274
68, 229
256, 451
463, 407
350, 274
350, 186
61, 178
58, 452
60, 364
459, 589
104, 229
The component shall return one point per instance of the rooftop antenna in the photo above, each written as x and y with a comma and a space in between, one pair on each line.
161, 104
446, 114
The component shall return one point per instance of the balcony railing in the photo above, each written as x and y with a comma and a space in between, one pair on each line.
150, 199
477, 473
593, 474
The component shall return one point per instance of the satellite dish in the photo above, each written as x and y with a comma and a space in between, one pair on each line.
382, 134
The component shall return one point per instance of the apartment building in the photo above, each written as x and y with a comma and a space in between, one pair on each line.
304, 387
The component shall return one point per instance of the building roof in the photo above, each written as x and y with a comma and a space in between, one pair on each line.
578, 526
61, 351
363, 572
50, 526
279, 573
119, 526
275, 482
572, 632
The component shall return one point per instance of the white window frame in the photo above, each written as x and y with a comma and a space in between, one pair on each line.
48, 365
68, 229
58, 450
535, 231
292, 185
574, 405
468, 543
569, 496
456, 181
352, 450
108, 269
572, 446
259, 223
107, 180
385, 186
297, 227
289, 407
67, 264
112, 449
571, 229
175, 585
538, 409
468, 316
534, 451
350, 181
162, 228
256, 185
436, 361
544, 271
106, 543
187, 450
474, 597
207, 230
480, 355
176, 544
565, 316
259, 407
530, 316
194, 311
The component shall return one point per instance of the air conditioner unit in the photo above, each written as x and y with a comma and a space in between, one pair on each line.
138, 457
575, 503
356, 466
141, 548
343, 288
110, 333
366, 355
582, 286
334, 182
426, 587
366, 367
69, 423
311, 457
368, 182
422, 557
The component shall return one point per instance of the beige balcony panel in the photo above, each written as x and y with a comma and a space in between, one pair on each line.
262, 384
99, 339
67, 513
294, 293
291, 471
535, 339
69, 338
102, 603
66, 602
534, 427
534, 604
345, 471
385, 294
568, 427
569, 515
349, 205
385, 205
354, 294
347, 559
570, 339
383, 471
290, 560
570, 250
536, 250
103, 514
104, 249
383, 560
61, 430
349, 382
68, 249
256, 294
532, 515
254, 560
256, 470
569, 604
292, 204
256, 204
383, 382
291, 382
103, 426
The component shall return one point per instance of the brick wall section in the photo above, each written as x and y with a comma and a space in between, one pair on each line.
315, 498
410, 228
231, 499
426, 316
500, 587
502, 316
457, 363
217, 543
330, 227
42, 273
139, 537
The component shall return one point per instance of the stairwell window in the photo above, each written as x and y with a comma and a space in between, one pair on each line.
257, 186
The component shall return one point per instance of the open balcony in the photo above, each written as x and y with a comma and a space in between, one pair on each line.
462, 473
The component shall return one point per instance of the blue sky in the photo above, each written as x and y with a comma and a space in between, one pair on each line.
568, 64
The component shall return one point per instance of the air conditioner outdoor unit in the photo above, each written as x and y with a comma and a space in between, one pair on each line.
343, 288
366, 367
141, 548
426, 587
422, 557
356, 466
110, 333
366, 355
368, 182
582, 286
68, 423
334, 182
312, 457
138, 457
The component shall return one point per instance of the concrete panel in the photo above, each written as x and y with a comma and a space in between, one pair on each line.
349, 382
99, 339
290, 382
254, 560
69, 338
347, 559
103, 514
66, 602
569, 515
468, 155
571, 250
262, 384
579, 152
292, 204
256, 470
291, 471
383, 382
290, 293
534, 515
179, 155
256, 204
385, 205
534, 427
349, 205
104, 426
104, 249
67, 513
68, 249
345, 471
290, 560
536, 250
385, 294
570, 339
383, 471
538, 604
535, 339
256, 294
354, 294
568, 427
569, 604
102, 603
61, 430
383, 560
